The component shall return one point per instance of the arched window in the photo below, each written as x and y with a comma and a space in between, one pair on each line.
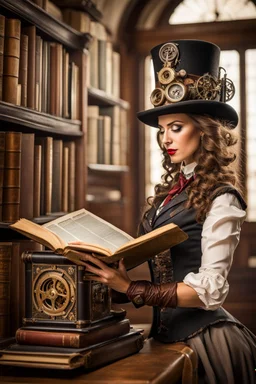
203, 11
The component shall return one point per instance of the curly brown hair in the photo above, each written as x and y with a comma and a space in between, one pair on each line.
213, 158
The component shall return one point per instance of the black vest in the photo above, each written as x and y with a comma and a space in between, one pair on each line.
171, 325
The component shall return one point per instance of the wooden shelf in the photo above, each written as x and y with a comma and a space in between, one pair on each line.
39, 121
103, 99
53, 28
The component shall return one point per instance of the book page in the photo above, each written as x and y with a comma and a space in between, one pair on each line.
84, 226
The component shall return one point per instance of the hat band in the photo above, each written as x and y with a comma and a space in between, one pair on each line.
173, 87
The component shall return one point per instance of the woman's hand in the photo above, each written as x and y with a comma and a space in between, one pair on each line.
115, 278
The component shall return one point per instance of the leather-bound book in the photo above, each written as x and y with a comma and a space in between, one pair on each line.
57, 175
91, 357
5, 281
65, 177
23, 70
27, 175
116, 74
38, 73
102, 54
65, 84
12, 173
45, 77
52, 73
11, 60
37, 180
31, 93
92, 134
2, 154
71, 174
2, 32
73, 339
94, 57
46, 174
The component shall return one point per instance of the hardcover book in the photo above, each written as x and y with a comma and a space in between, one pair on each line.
91, 357
90, 336
101, 238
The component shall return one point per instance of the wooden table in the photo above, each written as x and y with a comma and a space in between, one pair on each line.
156, 363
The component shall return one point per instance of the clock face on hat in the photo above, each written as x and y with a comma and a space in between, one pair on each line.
175, 92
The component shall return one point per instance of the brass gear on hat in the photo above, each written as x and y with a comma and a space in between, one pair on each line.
206, 87
230, 89
166, 75
157, 97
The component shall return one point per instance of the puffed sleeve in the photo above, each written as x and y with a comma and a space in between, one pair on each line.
220, 236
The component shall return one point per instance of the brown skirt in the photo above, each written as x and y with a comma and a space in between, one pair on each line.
226, 354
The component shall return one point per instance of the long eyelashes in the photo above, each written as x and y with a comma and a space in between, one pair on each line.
174, 128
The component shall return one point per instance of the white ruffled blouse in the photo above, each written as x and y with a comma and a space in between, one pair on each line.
220, 237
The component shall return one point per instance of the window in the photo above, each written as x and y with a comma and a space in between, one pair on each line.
202, 11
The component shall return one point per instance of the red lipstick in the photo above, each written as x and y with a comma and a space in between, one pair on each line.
171, 151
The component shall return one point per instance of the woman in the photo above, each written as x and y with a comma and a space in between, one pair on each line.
200, 193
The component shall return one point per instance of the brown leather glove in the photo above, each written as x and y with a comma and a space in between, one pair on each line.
143, 292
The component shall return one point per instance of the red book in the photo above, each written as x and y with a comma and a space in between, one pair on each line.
73, 339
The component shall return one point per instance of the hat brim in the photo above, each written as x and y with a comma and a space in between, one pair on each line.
214, 109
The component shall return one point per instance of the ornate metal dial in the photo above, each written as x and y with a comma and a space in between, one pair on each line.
166, 75
169, 53
54, 293
157, 97
175, 92
206, 87
230, 89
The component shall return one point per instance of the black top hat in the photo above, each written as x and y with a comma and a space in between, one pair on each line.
189, 80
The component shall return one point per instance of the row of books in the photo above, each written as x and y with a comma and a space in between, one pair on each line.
104, 62
12, 284
107, 135
35, 73
37, 176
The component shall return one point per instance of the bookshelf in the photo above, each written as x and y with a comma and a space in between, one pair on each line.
44, 137
24, 129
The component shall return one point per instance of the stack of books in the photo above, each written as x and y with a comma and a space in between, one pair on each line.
67, 348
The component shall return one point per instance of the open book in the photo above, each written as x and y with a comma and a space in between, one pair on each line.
101, 238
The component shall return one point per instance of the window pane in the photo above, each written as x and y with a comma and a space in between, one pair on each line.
250, 60
203, 11
229, 60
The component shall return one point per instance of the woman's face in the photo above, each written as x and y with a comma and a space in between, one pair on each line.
179, 136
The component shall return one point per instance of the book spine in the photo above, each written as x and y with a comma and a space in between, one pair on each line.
37, 180
65, 177
2, 155
5, 281
2, 33
71, 174
31, 93
48, 164
23, 71
12, 172
27, 175
57, 175
72, 339
11, 60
